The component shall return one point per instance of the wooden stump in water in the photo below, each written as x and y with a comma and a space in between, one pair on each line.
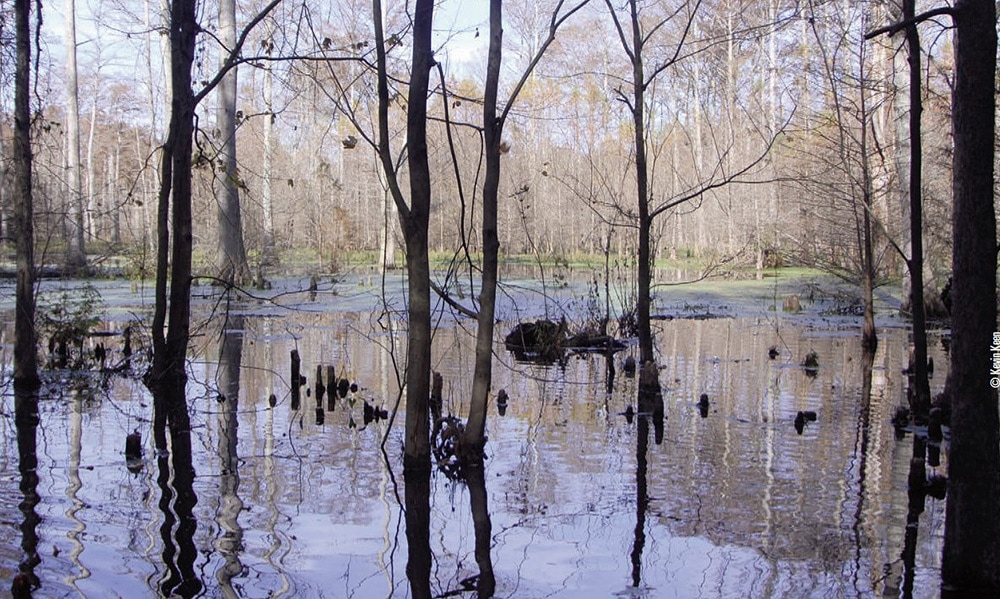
320, 387
133, 446
436, 402
331, 379
934, 425
295, 379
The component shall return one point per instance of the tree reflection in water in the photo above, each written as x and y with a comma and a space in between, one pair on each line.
230, 540
177, 499
417, 484
650, 408
26, 421
483, 526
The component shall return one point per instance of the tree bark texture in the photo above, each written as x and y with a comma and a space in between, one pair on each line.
971, 560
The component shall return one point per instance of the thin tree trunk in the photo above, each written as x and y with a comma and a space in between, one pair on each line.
645, 266
170, 345
971, 560
921, 387
91, 184
76, 259
25, 359
492, 130
266, 201
869, 336
419, 342
414, 219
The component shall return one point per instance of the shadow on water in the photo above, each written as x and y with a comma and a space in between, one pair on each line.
26, 420
175, 478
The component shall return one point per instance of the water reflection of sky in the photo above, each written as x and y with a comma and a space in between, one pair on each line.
739, 504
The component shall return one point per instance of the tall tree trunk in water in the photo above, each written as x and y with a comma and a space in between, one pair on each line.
170, 345
76, 259
232, 264
634, 49
492, 131
418, 365
414, 220
921, 394
971, 558
869, 336
25, 358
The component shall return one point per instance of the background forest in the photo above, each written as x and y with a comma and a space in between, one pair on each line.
760, 127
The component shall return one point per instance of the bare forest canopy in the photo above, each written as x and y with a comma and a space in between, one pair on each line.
738, 77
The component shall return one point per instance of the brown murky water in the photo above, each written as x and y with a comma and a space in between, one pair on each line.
582, 502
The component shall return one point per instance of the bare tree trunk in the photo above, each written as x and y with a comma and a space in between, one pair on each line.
645, 266
25, 359
492, 130
414, 220
76, 259
869, 336
418, 368
269, 116
91, 220
231, 262
921, 388
170, 346
971, 560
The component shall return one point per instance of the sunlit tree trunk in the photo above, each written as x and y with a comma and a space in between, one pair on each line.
971, 558
91, 220
25, 359
231, 262
76, 259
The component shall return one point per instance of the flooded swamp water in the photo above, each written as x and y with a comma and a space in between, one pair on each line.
583, 501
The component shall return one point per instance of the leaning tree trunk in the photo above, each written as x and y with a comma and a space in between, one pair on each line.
25, 359
971, 558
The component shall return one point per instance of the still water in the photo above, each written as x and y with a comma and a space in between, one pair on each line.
581, 501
